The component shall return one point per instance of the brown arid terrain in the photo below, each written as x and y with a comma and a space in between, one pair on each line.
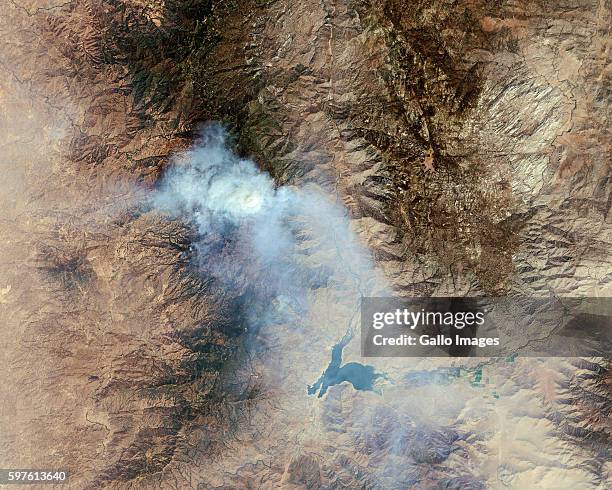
467, 144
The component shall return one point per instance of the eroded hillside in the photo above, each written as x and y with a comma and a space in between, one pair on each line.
469, 143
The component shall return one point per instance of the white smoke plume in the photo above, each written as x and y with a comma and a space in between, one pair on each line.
297, 236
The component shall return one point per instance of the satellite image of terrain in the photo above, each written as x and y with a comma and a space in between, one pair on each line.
196, 196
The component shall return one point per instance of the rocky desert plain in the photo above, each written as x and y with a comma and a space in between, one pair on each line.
413, 148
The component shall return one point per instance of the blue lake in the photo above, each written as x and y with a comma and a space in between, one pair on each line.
362, 377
